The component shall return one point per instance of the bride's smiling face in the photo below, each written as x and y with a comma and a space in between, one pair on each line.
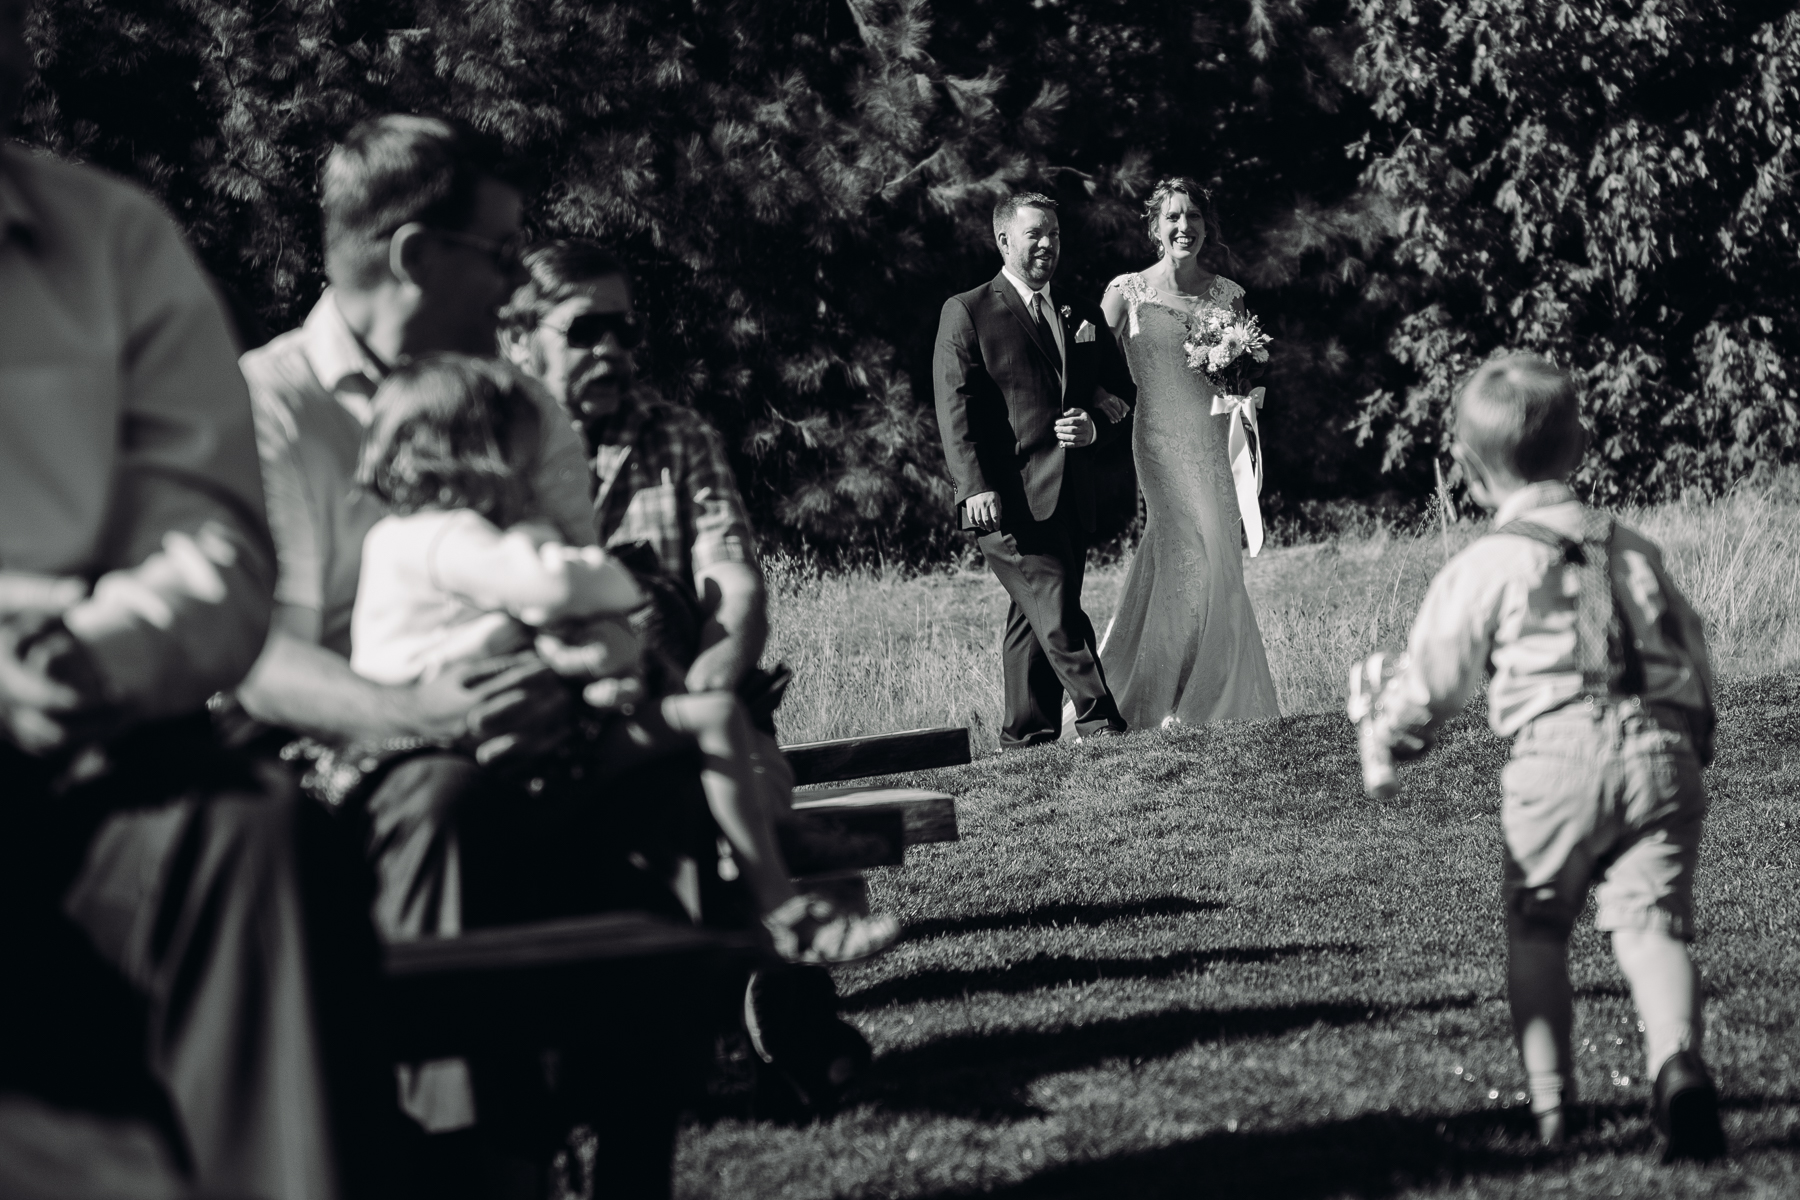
1180, 228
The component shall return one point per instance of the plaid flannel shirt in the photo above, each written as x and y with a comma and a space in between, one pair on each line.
662, 478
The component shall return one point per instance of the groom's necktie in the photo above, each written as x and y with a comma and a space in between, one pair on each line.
1043, 328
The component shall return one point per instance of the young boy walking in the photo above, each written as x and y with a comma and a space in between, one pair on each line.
1598, 670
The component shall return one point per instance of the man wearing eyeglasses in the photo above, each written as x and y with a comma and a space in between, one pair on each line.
421, 238
420, 250
660, 471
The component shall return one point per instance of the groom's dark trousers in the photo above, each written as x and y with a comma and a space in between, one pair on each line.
999, 383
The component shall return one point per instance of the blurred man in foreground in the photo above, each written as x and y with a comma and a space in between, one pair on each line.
183, 953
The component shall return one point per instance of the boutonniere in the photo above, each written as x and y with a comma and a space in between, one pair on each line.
1065, 312
1085, 333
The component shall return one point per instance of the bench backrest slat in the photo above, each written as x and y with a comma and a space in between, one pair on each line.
881, 754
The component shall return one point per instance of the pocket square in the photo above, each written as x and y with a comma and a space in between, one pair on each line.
1085, 333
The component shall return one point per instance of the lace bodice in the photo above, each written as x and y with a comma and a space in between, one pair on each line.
1137, 290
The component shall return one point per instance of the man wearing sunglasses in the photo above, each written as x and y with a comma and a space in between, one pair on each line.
421, 239
660, 471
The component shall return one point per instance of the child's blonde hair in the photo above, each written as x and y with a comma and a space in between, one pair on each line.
1519, 414
451, 431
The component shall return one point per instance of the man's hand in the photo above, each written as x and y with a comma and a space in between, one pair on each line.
983, 508
1075, 429
1110, 406
604, 648
514, 705
719, 668
52, 696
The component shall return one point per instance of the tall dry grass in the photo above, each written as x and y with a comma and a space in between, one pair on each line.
874, 651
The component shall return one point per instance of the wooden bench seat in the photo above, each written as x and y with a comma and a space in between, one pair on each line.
926, 816
880, 754
841, 830
557, 983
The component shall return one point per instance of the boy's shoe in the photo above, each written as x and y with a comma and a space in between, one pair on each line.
1686, 1107
811, 929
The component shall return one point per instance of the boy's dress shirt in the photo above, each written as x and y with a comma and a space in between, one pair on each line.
311, 389
1507, 605
127, 454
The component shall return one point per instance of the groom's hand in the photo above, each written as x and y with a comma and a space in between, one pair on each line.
1075, 429
983, 511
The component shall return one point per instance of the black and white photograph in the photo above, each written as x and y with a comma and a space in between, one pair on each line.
899, 600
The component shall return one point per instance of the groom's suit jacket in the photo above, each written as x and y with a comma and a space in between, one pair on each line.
999, 395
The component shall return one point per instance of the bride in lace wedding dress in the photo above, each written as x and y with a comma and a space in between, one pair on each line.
1183, 646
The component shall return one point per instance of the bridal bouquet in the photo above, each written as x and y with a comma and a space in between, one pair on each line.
1226, 348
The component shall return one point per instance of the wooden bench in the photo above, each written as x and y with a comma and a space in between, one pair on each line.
584, 981
556, 983
842, 831
643, 994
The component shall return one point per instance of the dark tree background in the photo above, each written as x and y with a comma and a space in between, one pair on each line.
799, 184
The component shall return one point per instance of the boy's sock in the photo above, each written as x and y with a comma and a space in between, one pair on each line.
1549, 1090
1666, 989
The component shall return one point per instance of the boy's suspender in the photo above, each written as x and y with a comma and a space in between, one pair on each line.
1610, 664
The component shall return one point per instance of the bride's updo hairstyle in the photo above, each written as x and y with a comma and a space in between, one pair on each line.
1199, 197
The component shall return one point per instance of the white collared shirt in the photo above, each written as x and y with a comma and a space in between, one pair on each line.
310, 390
1026, 292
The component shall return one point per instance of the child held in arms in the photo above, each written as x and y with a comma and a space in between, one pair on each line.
1599, 673
460, 570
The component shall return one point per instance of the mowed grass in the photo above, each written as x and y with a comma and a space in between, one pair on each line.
1200, 963
879, 651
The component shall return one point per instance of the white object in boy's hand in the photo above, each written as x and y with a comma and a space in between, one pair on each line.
1367, 678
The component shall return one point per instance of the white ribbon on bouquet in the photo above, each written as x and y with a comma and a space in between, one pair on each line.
1246, 468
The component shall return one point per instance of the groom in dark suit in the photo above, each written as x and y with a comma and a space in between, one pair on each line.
1016, 376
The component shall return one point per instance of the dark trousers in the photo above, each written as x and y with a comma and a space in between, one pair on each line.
1049, 646
456, 846
188, 946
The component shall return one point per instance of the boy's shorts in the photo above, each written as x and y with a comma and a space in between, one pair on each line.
1608, 791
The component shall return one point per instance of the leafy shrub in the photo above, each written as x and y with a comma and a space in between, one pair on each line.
1611, 185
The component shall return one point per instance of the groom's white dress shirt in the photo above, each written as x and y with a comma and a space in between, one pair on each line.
1026, 292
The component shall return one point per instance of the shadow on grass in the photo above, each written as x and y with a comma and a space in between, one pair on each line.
1057, 970
1379, 1154
983, 1075
1052, 915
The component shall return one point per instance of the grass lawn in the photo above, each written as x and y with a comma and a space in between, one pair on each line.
1199, 963
879, 651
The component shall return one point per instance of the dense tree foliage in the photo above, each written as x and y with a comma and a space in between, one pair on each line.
1612, 185
798, 184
